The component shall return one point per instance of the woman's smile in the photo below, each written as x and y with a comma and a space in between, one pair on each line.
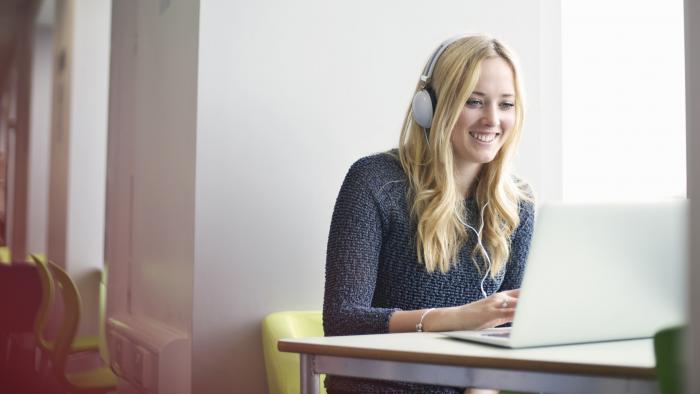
484, 138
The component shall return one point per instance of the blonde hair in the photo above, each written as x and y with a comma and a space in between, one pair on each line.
436, 204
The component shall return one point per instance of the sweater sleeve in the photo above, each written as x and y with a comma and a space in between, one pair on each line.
519, 248
352, 259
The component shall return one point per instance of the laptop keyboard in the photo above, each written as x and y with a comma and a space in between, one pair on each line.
497, 334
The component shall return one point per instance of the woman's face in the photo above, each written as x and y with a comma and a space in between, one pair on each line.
488, 115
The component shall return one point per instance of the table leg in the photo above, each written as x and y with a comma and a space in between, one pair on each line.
308, 377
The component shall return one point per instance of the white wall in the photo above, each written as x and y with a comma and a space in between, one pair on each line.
163, 141
88, 133
85, 219
152, 128
549, 182
290, 94
79, 148
40, 136
60, 133
692, 78
623, 95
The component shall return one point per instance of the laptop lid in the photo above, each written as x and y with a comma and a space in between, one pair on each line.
600, 272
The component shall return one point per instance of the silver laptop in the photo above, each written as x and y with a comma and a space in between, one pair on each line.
599, 272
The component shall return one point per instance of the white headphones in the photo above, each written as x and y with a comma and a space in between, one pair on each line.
422, 109
480, 243
424, 101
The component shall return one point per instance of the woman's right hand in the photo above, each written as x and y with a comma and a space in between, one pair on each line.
492, 311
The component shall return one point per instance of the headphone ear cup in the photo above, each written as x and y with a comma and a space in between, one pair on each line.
423, 107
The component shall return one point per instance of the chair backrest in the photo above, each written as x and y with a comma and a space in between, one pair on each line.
668, 349
47, 289
283, 368
32, 256
5, 255
102, 335
66, 288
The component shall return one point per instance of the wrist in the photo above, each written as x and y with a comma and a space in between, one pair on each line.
424, 314
439, 320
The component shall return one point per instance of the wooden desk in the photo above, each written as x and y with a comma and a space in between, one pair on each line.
607, 367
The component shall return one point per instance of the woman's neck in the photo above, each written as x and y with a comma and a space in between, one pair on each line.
465, 177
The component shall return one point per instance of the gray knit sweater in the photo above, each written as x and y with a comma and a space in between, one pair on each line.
372, 269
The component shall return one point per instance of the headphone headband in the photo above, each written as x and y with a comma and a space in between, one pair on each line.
424, 101
428, 70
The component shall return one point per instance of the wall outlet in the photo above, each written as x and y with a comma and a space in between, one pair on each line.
149, 355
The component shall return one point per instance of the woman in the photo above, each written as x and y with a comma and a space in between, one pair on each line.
434, 236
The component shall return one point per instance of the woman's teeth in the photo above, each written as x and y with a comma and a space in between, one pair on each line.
483, 137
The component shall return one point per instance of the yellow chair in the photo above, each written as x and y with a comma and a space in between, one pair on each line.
5, 255
97, 380
80, 344
102, 336
283, 368
30, 257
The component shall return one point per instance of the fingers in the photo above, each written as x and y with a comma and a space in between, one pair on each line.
511, 293
505, 303
506, 306
502, 316
511, 303
505, 299
499, 308
489, 312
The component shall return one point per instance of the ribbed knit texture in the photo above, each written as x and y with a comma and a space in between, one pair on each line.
372, 269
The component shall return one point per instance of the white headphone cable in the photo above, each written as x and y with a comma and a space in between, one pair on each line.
478, 240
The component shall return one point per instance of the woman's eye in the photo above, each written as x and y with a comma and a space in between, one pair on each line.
507, 105
474, 102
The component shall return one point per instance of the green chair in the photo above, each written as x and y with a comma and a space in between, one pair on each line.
668, 345
283, 368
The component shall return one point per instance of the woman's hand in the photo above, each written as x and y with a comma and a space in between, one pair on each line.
492, 311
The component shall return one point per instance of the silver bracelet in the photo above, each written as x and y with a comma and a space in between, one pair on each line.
419, 326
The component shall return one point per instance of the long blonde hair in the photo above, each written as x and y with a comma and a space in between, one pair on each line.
436, 204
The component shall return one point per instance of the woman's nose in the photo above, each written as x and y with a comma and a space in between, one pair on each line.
490, 116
